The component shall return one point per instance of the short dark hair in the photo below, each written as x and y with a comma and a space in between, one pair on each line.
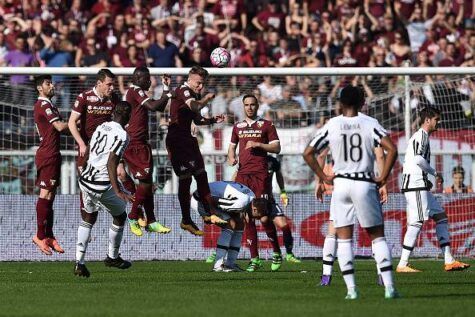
352, 96
103, 73
428, 113
40, 79
138, 71
249, 96
122, 108
458, 170
198, 70
261, 204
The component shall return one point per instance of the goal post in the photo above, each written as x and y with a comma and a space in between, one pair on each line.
298, 101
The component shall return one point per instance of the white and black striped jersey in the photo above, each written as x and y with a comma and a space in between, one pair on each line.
230, 196
352, 141
108, 137
414, 177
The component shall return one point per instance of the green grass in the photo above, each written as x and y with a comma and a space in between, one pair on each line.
190, 289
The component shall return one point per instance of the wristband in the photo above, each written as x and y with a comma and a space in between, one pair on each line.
283, 191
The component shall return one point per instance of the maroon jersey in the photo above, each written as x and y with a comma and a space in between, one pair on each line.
181, 115
45, 114
253, 160
93, 111
138, 123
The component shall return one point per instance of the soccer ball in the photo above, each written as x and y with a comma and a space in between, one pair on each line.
220, 57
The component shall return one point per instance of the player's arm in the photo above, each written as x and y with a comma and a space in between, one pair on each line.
391, 155
273, 147
60, 125
112, 164
421, 161
284, 199
161, 104
197, 105
199, 120
309, 158
74, 129
380, 159
232, 160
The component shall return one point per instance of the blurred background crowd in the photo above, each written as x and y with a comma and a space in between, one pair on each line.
268, 33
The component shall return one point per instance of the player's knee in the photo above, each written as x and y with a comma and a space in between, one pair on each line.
90, 218
280, 222
120, 219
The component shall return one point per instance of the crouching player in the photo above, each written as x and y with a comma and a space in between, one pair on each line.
100, 188
235, 203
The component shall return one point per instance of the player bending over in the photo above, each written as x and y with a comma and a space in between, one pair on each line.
235, 203
351, 138
101, 191
421, 204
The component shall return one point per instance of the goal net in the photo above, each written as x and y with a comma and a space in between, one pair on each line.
298, 101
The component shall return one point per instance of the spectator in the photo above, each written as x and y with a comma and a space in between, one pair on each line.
269, 17
252, 57
458, 186
400, 50
451, 59
345, 59
286, 112
163, 53
297, 19
269, 92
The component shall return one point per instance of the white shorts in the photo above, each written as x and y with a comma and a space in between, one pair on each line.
107, 201
352, 198
421, 205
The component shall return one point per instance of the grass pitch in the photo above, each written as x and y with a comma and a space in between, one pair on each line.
190, 289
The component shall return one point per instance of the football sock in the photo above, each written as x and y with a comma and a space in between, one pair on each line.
288, 239
271, 232
204, 191
234, 248
382, 255
222, 246
251, 237
115, 238
50, 220
410, 239
149, 207
41, 217
84, 233
345, 260
184, 199
442, 232
329, 251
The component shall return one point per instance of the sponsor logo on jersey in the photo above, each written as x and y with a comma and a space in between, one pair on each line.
52, 182
183, 168
192, 163
146, 170
141, 93
92, 98
241, 125
49, 112
186, 93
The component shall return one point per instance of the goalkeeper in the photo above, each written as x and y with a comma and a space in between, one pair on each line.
235, 203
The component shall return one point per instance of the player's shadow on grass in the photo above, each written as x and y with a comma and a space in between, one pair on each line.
441, 295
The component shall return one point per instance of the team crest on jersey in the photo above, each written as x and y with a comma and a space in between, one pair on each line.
147, 170
241, 125
49, 112
52, 182
92, 98
186, 93
141, 93
260, 124
76, 104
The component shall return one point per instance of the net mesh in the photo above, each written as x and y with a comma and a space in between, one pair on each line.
298, 106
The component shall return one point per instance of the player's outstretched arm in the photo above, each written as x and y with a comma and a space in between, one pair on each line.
112, 164
167, 95
73, 128
199, 120
391, 155
197, 105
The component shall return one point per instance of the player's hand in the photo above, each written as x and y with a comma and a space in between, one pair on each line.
439, 179
82, 149
383, 194
252, 145
284, 199
319, 190
328, 179
208, 97
126, 197
166, 81
220, 118
232, 161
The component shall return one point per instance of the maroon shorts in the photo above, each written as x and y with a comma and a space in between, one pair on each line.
48, 173
256, 182
139, 161
185, 155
